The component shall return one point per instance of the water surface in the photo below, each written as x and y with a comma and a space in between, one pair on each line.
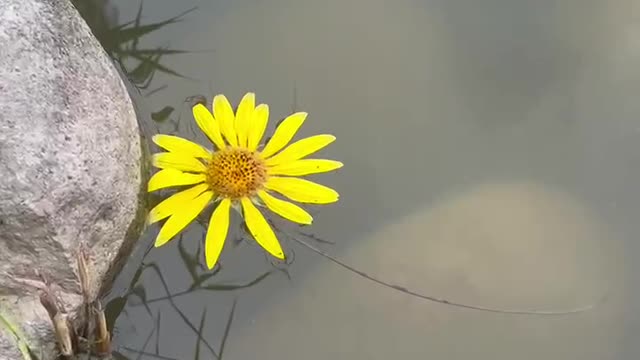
490, 151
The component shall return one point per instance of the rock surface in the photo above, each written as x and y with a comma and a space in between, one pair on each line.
70, 160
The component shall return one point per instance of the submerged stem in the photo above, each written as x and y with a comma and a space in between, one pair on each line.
441, 300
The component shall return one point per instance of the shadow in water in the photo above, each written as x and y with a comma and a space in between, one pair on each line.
140, 66
122, 43
116, 307
156, 331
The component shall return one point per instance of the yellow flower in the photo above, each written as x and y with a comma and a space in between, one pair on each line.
238, 172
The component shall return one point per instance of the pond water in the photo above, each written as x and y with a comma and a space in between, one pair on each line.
491, 157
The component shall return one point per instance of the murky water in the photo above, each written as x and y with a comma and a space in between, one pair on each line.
491, 157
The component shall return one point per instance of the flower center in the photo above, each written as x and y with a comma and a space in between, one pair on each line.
236, 173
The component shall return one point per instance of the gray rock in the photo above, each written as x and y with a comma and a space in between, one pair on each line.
70, 163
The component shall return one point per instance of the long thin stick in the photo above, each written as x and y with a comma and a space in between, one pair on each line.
439, 300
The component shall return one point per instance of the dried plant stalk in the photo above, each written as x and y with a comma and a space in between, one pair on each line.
84, 277
64, 332
103, 338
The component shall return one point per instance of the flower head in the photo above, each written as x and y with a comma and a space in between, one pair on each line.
238, 171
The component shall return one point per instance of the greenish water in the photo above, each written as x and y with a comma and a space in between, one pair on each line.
491, 157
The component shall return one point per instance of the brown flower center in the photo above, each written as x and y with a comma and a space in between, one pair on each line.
236, 173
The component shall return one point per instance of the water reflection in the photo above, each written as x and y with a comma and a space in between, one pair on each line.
537, 247
490, 154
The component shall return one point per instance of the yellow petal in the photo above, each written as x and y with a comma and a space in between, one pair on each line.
224, 114
304, 167
217, 233
175, 203
172, 177
300, 149
180, 220
179, 145
285, 209
260, 229
257, 127
178, 162
208, 124
284, 133
302, 190
244, 117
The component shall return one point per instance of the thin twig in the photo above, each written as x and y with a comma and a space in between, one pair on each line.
440, 300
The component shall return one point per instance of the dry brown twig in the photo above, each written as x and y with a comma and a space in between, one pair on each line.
95, 323
64, 331
92, 322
